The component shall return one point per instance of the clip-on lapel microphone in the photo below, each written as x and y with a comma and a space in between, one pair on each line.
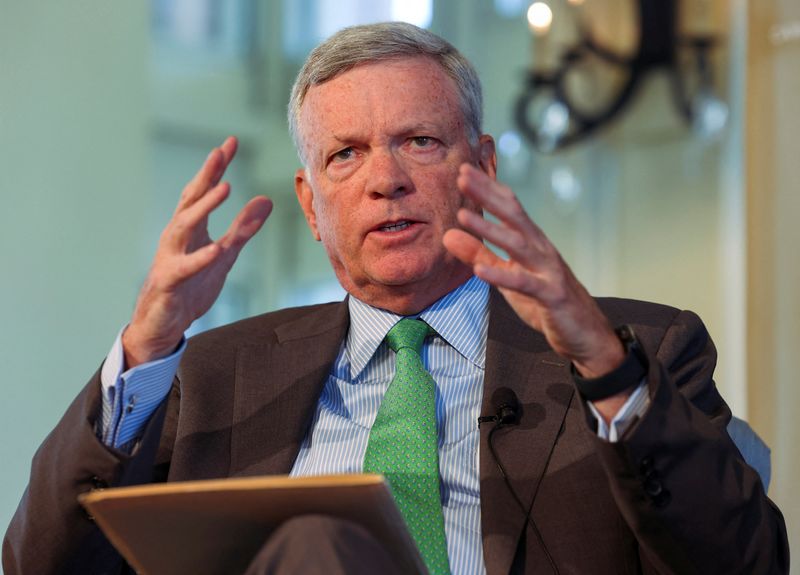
507, 412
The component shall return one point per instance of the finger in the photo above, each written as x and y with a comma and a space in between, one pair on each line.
514, 278
185, 225
469, 249
497, 199
192, 264
246, 224
521, 248
227, 248
244, 227
490, 267
210, 173
206, 177
228, 148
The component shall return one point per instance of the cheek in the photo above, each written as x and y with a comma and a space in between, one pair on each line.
451, 201
324, 217
331, 225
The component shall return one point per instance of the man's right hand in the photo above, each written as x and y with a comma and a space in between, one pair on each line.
189, 268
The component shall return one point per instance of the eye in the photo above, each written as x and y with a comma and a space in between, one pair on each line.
343, 155
423, 141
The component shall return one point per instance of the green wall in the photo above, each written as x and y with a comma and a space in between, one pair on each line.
73, 176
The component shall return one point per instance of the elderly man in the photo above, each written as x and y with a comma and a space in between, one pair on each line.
603, 450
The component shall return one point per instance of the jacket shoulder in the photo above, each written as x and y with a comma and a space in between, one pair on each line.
622, 310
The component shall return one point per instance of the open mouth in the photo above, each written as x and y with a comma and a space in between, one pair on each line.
395, 226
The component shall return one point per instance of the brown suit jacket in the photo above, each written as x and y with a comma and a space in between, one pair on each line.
673, 497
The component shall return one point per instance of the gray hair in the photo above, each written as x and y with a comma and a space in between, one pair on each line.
384, 41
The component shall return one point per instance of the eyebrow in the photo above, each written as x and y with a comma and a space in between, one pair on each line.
420, 127
345, 138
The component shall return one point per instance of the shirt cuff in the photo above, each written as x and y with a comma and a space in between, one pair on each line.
633, 409
131, 397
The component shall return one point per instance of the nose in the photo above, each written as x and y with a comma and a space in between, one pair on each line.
387, 177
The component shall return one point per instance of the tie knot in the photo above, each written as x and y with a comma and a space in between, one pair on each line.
408, 333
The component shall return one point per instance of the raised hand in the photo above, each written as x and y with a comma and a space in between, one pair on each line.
535, 280
189, 268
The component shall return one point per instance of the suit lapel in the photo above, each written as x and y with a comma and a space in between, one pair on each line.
519, 358
277, 387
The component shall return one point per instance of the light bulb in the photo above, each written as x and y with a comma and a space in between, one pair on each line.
710, 115
565, 184
540, 17
553, 121
509, 144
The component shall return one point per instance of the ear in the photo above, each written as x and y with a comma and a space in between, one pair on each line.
488, 156
305, 196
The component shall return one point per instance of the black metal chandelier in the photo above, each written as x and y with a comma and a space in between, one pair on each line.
549, 116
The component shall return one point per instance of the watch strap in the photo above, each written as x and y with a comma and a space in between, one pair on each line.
628, 374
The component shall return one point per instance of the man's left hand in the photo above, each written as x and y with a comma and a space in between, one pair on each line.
535, 280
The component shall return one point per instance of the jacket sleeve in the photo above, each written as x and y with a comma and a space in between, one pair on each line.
680, 483
50, 532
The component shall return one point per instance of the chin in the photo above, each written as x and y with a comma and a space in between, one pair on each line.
430, 277
403, 272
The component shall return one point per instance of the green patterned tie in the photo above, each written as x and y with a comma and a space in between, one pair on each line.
403, 444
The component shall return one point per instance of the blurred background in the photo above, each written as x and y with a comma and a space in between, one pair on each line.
655, 141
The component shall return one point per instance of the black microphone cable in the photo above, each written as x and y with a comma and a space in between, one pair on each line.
507, 414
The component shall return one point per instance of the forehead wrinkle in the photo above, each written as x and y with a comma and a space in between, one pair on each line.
335, 120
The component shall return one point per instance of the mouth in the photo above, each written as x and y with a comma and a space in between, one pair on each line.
394, 227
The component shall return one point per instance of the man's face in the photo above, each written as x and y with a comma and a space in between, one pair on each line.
383, 143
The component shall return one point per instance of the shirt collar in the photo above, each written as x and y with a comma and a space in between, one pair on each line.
460, 318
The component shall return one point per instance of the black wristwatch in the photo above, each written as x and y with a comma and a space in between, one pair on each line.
628, 374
